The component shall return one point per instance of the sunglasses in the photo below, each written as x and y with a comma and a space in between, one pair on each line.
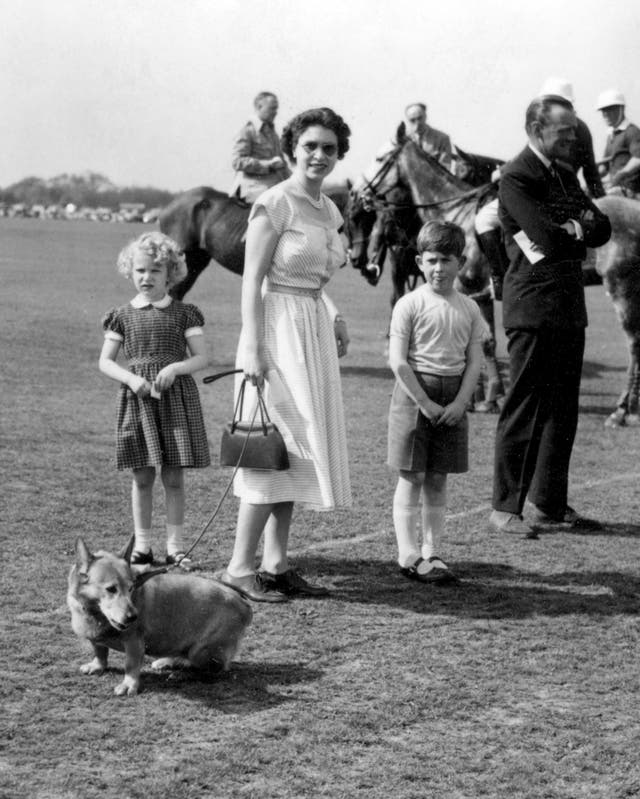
414, 119
312, 146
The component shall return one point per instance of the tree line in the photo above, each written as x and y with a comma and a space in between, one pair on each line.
85, 190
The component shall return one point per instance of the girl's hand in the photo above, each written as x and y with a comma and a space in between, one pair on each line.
140, 387
166, 377
342, 335
453, 413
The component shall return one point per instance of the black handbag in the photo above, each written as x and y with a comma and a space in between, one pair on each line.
252, 445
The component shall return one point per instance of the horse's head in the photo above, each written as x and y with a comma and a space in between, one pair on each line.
361, 213
359, 218
476, 170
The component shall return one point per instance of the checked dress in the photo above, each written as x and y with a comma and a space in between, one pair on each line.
170, 430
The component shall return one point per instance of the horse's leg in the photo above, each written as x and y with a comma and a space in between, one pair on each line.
634, 382
627, 411
400, 267
627, 404
197, 260
491, 369
492, 246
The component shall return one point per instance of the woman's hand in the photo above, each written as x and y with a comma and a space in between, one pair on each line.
342, 335
254, 368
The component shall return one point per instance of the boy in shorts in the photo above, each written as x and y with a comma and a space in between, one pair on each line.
435, 353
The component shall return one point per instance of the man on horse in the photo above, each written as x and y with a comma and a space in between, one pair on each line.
621, 162
434, 142
257, 156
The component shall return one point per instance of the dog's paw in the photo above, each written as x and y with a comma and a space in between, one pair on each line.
127, 687
93, 667
165, 664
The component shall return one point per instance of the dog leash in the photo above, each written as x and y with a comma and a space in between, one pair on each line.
210, 379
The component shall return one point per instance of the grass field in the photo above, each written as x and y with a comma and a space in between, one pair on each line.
520, 682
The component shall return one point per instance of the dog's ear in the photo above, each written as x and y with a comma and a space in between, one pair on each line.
83, 557
125, 553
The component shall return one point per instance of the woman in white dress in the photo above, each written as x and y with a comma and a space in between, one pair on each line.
291, 339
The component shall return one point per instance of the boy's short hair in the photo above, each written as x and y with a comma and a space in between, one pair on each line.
445, 237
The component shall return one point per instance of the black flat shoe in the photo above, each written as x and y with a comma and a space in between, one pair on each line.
141, 558
292, 583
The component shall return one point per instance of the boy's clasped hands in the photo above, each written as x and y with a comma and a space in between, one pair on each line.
450, 414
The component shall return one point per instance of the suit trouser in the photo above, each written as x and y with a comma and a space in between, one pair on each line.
537, 425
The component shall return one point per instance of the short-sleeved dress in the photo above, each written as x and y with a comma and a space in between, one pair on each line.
170, 430
302, 389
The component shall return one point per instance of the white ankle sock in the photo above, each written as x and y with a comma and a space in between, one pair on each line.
142, 540
175, 536
405, 520
432, 529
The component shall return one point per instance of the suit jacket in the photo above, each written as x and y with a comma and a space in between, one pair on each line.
550, 292
622, 144
584, 159
256, 143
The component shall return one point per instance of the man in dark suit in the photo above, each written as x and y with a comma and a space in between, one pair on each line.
548, 221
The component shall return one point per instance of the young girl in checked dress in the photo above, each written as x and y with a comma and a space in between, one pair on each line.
159, 421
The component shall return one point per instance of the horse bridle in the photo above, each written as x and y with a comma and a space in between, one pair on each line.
378, 202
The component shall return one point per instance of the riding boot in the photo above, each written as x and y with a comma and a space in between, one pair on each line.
493, 247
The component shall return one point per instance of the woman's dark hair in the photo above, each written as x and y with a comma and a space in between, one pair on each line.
324, 117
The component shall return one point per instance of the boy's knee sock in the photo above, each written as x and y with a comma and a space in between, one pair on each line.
142, 540
175, 539
405, 520
432, 529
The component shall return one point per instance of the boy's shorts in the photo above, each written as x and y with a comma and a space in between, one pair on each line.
416, 445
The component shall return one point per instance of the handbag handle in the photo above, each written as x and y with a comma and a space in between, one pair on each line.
237, 413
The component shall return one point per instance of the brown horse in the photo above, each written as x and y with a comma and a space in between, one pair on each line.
386, 209
207, 224
210, 224
618, 263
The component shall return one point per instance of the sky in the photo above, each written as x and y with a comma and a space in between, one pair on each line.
152, 92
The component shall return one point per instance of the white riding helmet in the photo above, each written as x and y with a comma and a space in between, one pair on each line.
610, 97
557, 87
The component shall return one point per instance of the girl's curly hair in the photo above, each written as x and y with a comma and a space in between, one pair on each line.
325, 118
161, 250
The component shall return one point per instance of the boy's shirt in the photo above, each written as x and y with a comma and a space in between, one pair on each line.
437, 329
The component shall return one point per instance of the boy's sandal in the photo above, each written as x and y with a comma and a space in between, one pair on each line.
181, 560
445, 575
141, 558
437, 571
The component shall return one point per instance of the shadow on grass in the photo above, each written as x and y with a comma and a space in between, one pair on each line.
615, 530
245, 688
484, 590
